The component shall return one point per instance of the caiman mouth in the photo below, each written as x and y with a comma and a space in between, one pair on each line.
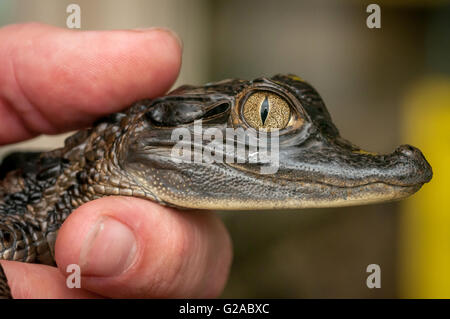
305, 179
321, 197
362, 178
405, 167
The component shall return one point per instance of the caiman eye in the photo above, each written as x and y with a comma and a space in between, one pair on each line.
266, 111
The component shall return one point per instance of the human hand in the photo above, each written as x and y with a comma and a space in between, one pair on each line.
54, 80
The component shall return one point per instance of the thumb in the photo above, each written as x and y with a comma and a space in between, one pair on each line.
128, 247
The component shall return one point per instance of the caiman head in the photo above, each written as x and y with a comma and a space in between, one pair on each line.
315, 166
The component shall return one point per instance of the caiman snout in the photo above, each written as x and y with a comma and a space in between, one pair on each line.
412, 167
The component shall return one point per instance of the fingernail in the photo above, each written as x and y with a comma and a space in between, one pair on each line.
108, 250
167, 30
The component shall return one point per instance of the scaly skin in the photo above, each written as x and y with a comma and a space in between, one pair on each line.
129, 154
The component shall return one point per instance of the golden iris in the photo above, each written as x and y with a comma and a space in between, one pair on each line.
266, 111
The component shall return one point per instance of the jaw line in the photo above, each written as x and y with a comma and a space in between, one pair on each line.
273, 178
335, 197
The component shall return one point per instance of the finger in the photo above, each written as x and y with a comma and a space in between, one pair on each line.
133, 248
54, 80
40, 282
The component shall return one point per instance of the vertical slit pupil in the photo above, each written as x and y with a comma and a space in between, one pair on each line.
264, 110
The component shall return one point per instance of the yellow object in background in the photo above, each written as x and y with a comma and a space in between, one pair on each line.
425, 222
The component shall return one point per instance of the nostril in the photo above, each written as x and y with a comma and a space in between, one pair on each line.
418, 167
408, 150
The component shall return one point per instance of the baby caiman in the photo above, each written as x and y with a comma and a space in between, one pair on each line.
131, 154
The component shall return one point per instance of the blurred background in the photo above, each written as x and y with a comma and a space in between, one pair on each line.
383, 87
